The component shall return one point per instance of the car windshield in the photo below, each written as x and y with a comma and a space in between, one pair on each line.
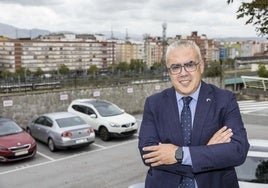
255, 169
9, 127
107, 109
70, 121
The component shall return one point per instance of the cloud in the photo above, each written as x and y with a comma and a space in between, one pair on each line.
210, 17
31, 2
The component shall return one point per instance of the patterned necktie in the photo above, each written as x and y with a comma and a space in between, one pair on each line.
186, 124
186, 120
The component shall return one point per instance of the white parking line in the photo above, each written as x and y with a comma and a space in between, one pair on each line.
46, 156
100, 146
68, 157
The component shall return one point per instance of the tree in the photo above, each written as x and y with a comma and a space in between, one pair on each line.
112, 68
22, 72
156, 66
262, 71
136, 65
6, 74
123, 66
93, 69
38, 72
228, 63
213, 69
257, 13
261, 172
64, 69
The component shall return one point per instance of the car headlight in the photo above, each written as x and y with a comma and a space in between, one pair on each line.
114, 125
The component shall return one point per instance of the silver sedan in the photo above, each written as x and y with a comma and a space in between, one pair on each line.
61, 130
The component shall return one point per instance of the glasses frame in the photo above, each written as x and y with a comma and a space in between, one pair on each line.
195, 64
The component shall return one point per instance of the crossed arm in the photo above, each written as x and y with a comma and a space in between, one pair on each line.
164, 154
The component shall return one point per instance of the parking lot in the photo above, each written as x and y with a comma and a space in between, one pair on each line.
45, 156
112, 164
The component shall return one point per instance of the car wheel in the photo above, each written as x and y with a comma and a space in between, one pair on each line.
51, 145
104, 134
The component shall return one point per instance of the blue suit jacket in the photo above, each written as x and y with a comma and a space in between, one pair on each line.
213, 166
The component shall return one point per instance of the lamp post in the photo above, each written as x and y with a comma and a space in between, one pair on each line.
164, 26
235, 74
235, 67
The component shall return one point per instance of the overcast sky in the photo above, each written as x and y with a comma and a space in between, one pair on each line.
215, 18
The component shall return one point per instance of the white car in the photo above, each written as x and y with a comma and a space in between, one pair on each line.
254, 172
106, 118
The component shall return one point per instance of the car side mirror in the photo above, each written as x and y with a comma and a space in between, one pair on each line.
93, 115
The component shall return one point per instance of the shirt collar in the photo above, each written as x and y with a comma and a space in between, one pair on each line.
193, 95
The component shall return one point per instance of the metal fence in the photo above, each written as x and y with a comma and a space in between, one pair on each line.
74, 81
255, 82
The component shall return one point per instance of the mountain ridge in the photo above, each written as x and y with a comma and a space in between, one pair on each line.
15, 32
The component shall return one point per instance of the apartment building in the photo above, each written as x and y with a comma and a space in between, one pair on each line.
79, 52
129, 50
201, 41
153, 51
49, 55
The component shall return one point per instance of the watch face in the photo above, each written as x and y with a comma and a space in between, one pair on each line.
179, 154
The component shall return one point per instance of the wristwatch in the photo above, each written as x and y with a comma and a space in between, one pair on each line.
179, 154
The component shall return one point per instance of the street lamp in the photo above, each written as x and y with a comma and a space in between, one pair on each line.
164, 26
235, 67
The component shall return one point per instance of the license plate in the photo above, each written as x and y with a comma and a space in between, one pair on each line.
128, 129
81, 141
21, 153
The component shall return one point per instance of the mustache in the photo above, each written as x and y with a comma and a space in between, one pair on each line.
184, 78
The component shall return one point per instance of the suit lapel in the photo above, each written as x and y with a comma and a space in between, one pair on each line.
204, 102
173, 117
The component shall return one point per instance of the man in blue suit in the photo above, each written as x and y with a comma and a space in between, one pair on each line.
218, 139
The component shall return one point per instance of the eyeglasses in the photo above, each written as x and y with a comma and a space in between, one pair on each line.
191, 66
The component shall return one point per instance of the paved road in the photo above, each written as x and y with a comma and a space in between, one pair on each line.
255, 116
113, 164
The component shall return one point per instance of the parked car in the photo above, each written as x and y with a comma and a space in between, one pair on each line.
61, 130
15, 143
254, 172
107, 119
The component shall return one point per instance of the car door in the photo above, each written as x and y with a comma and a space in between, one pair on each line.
88, 114
36, 126
45, 128
41, 126
92, 117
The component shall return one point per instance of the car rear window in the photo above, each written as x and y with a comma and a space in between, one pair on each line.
70, 121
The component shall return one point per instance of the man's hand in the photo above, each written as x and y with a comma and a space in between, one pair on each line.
160, 154
221, 136
164, 154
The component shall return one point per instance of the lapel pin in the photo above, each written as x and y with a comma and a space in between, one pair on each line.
208, 99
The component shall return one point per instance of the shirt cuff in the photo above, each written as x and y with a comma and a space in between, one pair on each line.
186, 156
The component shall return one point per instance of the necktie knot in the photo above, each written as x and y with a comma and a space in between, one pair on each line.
186, 100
